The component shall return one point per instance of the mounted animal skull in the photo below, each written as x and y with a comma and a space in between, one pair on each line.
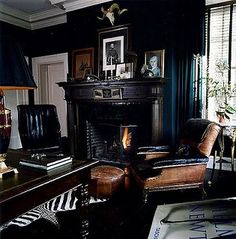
109, 13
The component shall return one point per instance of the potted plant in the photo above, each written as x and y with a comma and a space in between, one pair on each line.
220, 89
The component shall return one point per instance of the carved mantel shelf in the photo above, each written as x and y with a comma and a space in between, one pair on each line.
122, 90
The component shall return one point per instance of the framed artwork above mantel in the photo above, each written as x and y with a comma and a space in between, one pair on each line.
113, 44
82, 62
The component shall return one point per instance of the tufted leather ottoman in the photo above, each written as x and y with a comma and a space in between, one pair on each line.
105, 181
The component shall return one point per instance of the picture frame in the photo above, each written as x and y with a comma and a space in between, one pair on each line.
124, 71
82, 60
87, 71
109, 56
154, 61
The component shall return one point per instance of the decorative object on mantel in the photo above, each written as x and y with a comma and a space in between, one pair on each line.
219, 88
154, 64
112, 47
110, 12
124, 71
132, 57
82, 62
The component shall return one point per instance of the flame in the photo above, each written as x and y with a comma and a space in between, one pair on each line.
127, 136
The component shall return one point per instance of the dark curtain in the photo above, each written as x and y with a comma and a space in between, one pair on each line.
190, 41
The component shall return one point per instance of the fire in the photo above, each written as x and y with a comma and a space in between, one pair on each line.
127, 136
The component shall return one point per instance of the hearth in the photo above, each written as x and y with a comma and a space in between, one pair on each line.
111, 143
99, 121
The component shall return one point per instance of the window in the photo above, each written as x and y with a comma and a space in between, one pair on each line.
220, 45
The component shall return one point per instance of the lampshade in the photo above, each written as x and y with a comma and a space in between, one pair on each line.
14, 71
14, 75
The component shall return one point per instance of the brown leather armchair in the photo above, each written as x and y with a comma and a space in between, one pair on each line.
160, 168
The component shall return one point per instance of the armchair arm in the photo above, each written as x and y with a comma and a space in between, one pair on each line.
179, 161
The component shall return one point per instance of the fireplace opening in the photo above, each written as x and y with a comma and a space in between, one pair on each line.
111, 143
113, 132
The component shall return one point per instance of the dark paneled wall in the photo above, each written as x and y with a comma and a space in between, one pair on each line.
173, 25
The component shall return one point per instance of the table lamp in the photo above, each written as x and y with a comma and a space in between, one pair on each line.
14, 75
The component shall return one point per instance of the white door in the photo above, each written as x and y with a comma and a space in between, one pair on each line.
56, 93
47, 71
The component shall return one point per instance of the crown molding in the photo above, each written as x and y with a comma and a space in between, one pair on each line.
47, 18
54, 16
48, 22
71, 5
14, 17
32, 21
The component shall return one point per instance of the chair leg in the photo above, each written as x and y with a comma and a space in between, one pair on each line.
203, 192
213, 168
145, 195
221, 159
232, 155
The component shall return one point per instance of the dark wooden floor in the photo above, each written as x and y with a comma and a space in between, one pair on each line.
125, 216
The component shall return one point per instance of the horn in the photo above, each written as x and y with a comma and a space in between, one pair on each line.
114, 6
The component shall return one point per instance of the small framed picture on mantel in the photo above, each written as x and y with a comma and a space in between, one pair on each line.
124, 71
153, 64
82, 61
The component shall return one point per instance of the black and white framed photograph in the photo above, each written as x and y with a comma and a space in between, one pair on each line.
124, 71
154, 63
112, 47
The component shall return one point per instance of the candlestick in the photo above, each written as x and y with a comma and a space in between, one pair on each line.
105, 74
111, 69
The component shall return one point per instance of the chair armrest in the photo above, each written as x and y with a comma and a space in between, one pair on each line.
153, 167
150, 152
179, 160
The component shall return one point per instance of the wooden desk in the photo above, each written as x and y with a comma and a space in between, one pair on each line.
30, 188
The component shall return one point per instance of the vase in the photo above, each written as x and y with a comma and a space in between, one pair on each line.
5, 132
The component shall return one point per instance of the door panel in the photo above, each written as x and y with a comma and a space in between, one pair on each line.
56, 93
48, 70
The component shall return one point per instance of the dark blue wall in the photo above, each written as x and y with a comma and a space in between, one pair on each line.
173, 25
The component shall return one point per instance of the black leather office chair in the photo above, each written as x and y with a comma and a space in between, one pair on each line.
39, 128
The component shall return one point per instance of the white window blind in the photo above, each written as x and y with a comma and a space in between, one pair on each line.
220, 45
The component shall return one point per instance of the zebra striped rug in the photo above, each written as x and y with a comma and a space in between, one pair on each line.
64, 202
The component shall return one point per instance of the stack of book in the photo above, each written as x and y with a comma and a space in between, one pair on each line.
46, 162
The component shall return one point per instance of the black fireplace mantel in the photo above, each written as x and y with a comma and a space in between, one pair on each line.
122, 90
79, 93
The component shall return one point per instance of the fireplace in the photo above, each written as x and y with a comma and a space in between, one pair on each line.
111, 143
109, 120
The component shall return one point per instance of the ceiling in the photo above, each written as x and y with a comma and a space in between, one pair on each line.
35, 14
28, 6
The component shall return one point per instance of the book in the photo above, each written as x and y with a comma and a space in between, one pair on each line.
46, 163
214, 218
